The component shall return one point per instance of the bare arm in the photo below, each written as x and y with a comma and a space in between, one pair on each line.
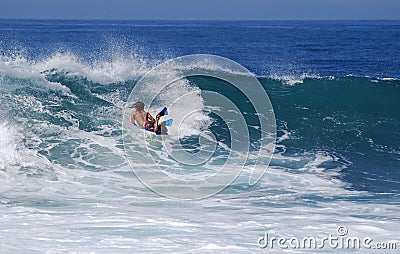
133, 118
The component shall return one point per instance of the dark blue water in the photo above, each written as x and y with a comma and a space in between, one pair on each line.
327, 48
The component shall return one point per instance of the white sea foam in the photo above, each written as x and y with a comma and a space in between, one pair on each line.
122, 68
293, 79
9, 155
111, 211
17, 66
102, 71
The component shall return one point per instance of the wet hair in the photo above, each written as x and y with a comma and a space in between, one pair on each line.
138, 105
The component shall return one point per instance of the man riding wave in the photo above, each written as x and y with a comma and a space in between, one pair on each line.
147, 121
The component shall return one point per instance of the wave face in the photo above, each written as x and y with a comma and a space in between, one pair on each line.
63, 173
351, 116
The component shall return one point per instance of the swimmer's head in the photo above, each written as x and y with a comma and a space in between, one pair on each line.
138, 105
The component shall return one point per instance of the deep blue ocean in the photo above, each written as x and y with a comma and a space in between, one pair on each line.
66, 186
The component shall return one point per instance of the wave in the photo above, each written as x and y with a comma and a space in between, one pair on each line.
63, 97
126, 67
61, 156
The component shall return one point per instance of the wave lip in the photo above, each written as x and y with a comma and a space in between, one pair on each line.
293, 79
118, 69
